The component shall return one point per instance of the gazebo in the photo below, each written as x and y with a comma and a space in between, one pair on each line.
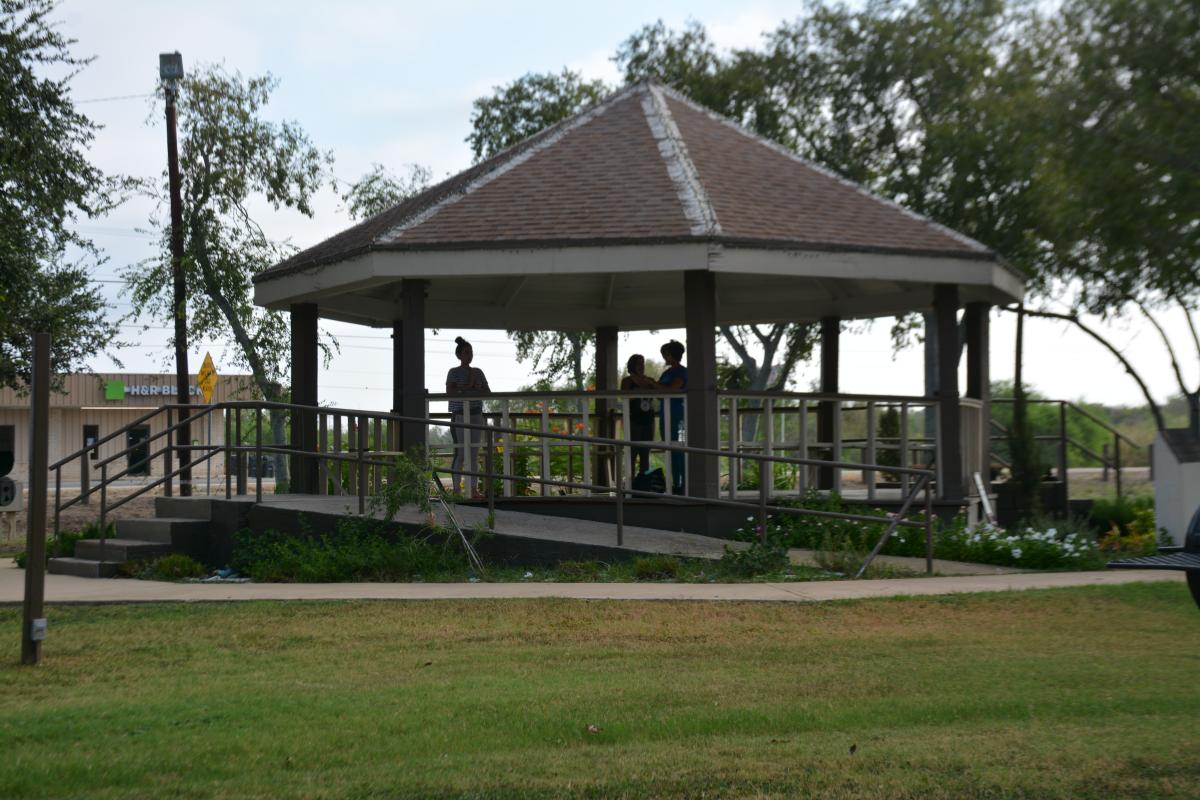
646, 211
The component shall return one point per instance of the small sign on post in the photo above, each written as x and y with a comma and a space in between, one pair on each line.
207, 379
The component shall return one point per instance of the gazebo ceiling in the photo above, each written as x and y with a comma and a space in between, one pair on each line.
594, 220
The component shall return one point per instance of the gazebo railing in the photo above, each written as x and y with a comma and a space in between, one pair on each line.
369, 461
896, 430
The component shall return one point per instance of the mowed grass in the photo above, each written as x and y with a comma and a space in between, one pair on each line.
1084, 693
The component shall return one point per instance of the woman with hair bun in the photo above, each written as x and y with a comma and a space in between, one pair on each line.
465, 381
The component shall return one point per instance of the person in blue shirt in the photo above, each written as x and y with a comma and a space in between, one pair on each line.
674, 379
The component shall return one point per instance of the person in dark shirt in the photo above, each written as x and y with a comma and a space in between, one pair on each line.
641, 411
465, 381
674, 379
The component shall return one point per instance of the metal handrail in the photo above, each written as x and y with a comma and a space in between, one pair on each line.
1079, 410
357, 456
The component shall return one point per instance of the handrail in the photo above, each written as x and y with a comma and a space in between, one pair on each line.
1083, 411
62, 462
357, 455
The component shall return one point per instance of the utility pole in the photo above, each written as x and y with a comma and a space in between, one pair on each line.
33, 619
170, 70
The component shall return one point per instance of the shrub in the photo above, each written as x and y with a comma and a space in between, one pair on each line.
63, 545
1136, 537
1042, 543
1119, 512
359, 550
760, 558
173, 567
655, 568
580, 570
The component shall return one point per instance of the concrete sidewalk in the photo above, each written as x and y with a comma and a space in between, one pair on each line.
68, 589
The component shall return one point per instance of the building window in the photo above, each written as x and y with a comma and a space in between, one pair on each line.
91, 435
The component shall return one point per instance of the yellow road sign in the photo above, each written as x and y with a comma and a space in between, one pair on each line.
207, 379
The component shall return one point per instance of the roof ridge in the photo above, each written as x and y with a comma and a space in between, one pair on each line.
518, 156
680, 168
819, 168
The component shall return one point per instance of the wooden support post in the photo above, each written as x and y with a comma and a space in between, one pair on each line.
945, 307
607, 373
831, 328
979, 382
33, 621
411, 364
701, 424
304, 392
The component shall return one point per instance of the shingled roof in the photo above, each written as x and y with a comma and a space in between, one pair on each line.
647, 165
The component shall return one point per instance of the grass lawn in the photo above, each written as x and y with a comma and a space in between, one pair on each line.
1079, 693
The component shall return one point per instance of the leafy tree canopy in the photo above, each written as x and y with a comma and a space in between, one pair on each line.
46, 184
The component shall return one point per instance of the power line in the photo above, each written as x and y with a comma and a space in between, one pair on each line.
115, 97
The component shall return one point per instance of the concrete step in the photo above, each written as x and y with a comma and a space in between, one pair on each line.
197, 507
183, 507
82, 567
120, 550
177, 531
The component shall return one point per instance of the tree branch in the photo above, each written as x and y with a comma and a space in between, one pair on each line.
1166, 343
1158, 417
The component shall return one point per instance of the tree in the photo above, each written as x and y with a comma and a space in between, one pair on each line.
230, 156
1123, 121
527, 105
378, 190
46, 184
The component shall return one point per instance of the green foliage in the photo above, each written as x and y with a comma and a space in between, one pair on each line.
359, 550
889, 431
46, 185
527, 105
63, 545
760, 558
172, 567
655, 568
1119, 512
580, 570
1122, 125
233, 159
379, 190
1041, 543
409, 482
556, 355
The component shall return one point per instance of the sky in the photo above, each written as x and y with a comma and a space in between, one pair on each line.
392, 83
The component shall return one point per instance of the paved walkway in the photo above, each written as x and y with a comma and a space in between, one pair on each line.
68, 589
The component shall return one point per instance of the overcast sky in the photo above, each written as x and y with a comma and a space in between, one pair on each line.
393, 83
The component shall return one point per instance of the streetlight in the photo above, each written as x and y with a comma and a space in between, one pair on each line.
170, 71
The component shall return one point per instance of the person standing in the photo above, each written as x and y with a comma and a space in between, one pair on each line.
465, 381
641, 412
674, 379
